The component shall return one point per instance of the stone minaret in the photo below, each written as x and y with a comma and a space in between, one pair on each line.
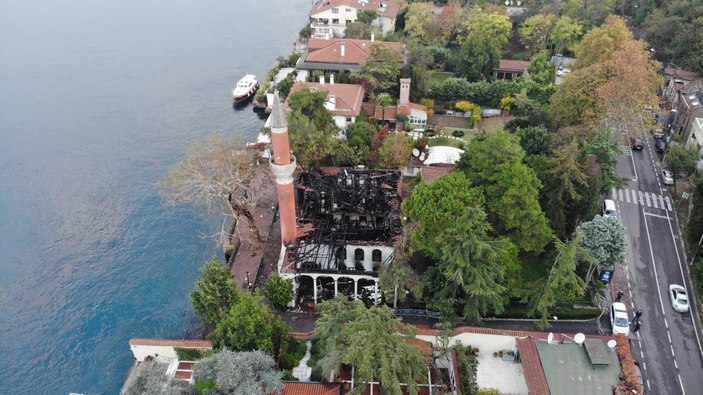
404, 91
282, 165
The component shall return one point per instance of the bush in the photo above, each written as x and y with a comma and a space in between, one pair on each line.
458, 133
316, 374
192, 354
468, 365
288, 376
288, 361
293, 59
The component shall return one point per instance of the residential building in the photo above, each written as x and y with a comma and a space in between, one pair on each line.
416, 113
674, 81
695, 139
341, 54
686, 107
329, 18
508, 69
343, 100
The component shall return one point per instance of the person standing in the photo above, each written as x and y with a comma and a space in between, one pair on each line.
637, 327
620, 293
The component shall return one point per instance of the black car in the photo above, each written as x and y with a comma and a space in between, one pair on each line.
636, 143
660, 143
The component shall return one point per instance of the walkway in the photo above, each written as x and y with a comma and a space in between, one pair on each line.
302, 371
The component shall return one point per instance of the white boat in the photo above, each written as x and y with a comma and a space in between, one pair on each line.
245, 88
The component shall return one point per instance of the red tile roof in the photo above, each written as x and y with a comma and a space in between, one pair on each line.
390, 10
348, 97
424, 346
171, 343
532, 366
297, 388
355, 51
431, 173
516, 66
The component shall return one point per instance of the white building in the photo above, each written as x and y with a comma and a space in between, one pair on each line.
329, 18
695, 139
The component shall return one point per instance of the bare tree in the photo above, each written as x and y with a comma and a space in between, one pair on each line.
216, 173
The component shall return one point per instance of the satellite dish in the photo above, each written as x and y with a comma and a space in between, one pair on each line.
611, 343
550, 338
416, 152
579, 338
422, 156
519, 3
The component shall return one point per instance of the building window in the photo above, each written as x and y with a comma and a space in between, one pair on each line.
335, 21
349, 119
359, 254
348, 10
376, 255
335, 10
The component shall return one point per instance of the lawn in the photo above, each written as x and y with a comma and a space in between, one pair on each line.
438, 77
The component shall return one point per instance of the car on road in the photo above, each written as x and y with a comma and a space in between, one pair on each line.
679, 298
619, 319
636, 143
667, 177
609, 208
660, 143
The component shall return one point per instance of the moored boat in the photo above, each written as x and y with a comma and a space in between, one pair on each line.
245, 88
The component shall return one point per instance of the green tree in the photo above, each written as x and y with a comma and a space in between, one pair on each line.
366, 16
372, 341
215, 293
482, 36
248, 326
565, 34
358, 30
379, 72
682, 160
399, 275
511, 188
593, 13
605, 148
536, 31
563, 283
418, 18
240, 373
311, 127
438, 206
395, 151
475, 264
534, 140
540, 70
604, 239
383, 100
279, 291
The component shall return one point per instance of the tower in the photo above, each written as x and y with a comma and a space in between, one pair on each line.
282, 165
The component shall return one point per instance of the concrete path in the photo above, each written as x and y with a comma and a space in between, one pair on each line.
302, 371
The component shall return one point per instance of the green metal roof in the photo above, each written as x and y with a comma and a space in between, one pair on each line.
569, 370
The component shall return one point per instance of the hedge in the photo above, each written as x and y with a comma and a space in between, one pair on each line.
488, 94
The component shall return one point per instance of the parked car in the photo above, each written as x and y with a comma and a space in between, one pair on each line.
667, 177
563, 68
636, 143
619, 319
660, 144
609, 208
560, 73
679, 298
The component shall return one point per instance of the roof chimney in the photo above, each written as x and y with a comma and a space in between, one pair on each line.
342, 49
322, 79
404, 91
331, 79
373, 36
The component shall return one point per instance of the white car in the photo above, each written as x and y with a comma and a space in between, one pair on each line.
679, 299
619, 319
667, 177
560, 73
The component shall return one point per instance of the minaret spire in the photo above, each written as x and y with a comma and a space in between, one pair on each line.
283, 165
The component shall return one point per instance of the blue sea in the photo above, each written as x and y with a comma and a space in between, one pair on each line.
97, 99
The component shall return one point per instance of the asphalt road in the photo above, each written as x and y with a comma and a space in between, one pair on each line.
668, 343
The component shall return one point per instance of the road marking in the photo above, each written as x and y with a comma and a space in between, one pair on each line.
656, 215
683, 277
656, 275
676, 365
654, 200
627, 196
661, 200
646, 196
620, 194
668, 207
641, 199
681, 382
634, 167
